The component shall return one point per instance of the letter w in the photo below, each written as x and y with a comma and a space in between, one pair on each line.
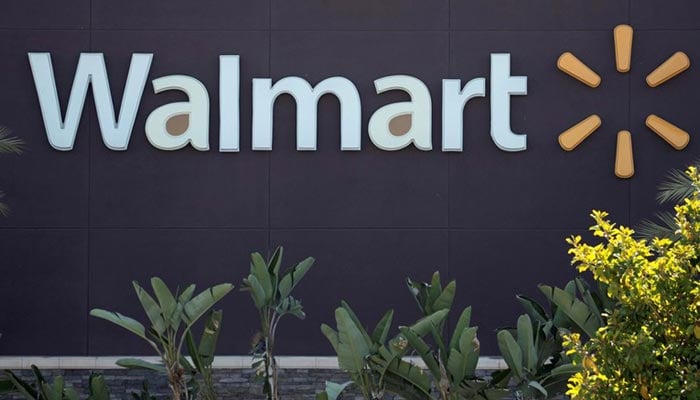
91, 69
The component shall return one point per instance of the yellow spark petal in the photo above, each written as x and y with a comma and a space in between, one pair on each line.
575, 68
624, 159
675, 136
675, 64
573, 136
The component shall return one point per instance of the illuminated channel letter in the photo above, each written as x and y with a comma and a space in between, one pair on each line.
91, 70
454, 98
306, 97
502, 87
229, 103
413, 118
192, 116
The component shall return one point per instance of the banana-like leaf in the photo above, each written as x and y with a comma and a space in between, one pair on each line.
564, 370
538, 387
258, 268
403, 378
587, 297
381, 331
292, 278
187, 294
446, 297
462, 361
98, 388
135, 363
21, 386
6, 386
576, 310
422, 349
352, 344
257, 292
356, 320
333, 390
533, 309
462, 324
275, 263
52, 391
210, 336
331, 335
425, 325
434, 290
152, 309
167, 301
526, 341
511, 352
201, 303
125, 322
194, 354
70, 394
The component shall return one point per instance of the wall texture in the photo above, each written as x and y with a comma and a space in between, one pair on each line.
87, 222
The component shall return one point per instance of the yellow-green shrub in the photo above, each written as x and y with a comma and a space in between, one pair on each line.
650, 347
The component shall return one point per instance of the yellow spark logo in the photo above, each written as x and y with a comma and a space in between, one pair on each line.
624, 158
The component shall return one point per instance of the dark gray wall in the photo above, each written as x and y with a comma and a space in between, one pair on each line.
89, 221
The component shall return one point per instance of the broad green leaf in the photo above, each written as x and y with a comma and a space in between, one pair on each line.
356, 320
510, 350
193, 352
445, 299
331, 335
98, 388
333, 390
275, 262
292, 278
186, 294
403, 378
6, 386
201, 303
257, 292
461, 361
70, 394
526, 341
209, 338
576, 310
426, 324
423, 350
565, 369
125, 322
533, 309
352, 345
53, 391
135, 363
381, 331
21, 386
587, 296
537, 386
462, 324
434, 291
258, 268
152, 309
167, 301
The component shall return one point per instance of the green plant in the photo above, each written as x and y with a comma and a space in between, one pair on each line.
373, 361
203, 354
452, 362
650, 345
533, 351
271, 294
677, 187
144, 394
42, 389
171, 318
8, 145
